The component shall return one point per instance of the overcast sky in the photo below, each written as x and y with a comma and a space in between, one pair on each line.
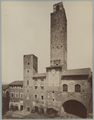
26, 30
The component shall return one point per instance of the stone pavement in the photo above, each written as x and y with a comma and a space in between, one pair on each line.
25, 114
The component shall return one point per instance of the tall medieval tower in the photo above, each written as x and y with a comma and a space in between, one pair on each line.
58, 45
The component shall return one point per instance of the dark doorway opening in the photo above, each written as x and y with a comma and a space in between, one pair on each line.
36, 109
41, 111
76, 108
21, 107
15, 108
51, 112
28, 108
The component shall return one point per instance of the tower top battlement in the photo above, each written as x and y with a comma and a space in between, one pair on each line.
58, 7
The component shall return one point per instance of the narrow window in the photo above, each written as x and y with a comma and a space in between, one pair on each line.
57, 46
42, 87
77, 88
28, 109
53, 92
36, 87
35, 96
42, 79
65, 88
42, 97
21, 95
12, 95
16, 95
27, 82
57, 8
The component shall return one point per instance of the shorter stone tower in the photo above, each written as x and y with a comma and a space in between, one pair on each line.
30, 68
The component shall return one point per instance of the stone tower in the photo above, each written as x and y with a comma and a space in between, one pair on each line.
30, 68
58, 45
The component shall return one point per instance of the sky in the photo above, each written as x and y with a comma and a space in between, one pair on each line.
26, 30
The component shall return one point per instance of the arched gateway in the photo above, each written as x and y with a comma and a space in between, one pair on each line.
76, 108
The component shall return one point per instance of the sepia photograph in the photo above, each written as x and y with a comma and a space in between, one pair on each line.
46, 59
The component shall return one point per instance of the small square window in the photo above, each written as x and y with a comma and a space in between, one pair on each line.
35, 96
28, 63
35, 79
42, 87
36, 87
42, 79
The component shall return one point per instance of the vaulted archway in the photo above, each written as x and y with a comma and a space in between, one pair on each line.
76, 108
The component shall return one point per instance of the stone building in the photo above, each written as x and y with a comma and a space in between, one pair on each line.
5, 98
16, 95
59, 89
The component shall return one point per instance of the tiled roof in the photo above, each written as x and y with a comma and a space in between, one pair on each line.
17, 83
83, 71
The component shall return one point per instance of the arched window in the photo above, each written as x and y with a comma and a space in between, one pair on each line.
77, 88
65, 87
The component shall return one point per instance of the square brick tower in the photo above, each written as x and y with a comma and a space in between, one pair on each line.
58, 45
30, 68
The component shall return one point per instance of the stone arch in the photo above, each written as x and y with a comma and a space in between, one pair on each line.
75, 107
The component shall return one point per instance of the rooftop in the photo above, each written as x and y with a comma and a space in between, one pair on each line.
17, 83
83, 71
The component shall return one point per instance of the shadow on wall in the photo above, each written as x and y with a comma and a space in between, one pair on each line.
5, 103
